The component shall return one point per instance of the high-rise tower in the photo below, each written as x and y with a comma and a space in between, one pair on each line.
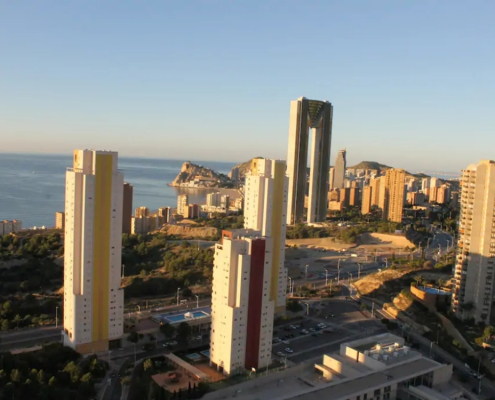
265, 210
394, 194
242, 310
473, 277
316, 115
93, 298
127, 208
340, 165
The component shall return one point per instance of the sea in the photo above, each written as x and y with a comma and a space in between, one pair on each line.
32, 186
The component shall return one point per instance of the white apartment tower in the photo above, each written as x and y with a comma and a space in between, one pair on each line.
182, 204
93, 297
242, 311
265, 210
473, 275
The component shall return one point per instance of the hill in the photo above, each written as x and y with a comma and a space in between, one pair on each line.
193, 175
370, 165
382, 168
244, 167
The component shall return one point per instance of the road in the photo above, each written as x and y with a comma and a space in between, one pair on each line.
29, 338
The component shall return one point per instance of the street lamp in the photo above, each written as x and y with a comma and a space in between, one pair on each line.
326, 277
290, 286
123, 270
197, 301
386, 263
338, 273
178, 295
350, 282
56, 317
306, 273
359, 270
307, 308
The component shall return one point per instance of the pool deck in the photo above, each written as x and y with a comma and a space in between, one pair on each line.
177, 317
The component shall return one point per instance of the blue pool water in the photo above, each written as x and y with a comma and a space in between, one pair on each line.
181, 317
433, 290
206, 353
194, 356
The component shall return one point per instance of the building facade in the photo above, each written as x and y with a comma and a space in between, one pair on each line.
366, 200
242, 311
166, 214
340, 166
93, 297
60, 220
331, 178
182, 204
375, 185
265, 195
316, 115
394, 194
127, 207
142, 212
473, 275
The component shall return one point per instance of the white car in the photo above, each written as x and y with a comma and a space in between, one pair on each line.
280, 354
173, 343
289, 350
285, 342
312, 329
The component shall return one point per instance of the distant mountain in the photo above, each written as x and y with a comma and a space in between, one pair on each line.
382, 168
370, 165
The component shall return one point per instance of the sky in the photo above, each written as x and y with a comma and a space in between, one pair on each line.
412, 82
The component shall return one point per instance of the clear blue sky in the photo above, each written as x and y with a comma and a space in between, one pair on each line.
412, 82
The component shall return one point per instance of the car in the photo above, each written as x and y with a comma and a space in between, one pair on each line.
172, 343
312, 329
276, 339
285, 342
121, 348
314, 334
289, 350
280, 354
305, 331
330, 330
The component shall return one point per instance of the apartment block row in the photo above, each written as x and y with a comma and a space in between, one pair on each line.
8, 227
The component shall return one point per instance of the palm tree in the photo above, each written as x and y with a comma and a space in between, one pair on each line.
418, 279
440, 283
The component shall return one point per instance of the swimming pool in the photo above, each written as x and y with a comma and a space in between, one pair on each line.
431, 290
183, 317
193, 356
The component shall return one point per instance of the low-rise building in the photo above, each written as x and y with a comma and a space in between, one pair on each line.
378, 367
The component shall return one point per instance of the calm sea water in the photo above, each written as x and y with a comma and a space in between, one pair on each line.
32, 185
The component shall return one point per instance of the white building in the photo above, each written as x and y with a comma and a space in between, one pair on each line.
473, 276
372, 368
93, 297
242, 312
182, 204
213, 199
265, 210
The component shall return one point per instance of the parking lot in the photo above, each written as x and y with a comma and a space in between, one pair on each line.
343, 321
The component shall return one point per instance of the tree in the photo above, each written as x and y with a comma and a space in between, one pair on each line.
419, 279
440, 283
133, 337
5, 325
167, 330
186, 292
488, 332
15, 375
126, 380
52, 381
183, 333
17, 319
148, 365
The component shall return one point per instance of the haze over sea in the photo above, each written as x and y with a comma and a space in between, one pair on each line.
32, 186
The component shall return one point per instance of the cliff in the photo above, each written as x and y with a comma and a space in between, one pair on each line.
193, 175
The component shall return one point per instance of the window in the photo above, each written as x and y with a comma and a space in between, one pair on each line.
376, 392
